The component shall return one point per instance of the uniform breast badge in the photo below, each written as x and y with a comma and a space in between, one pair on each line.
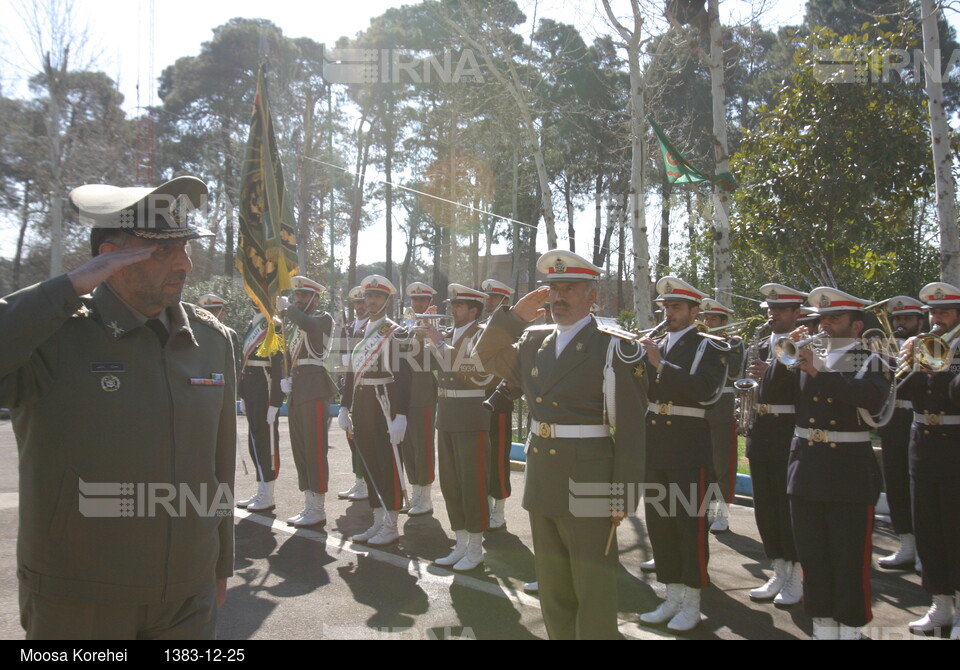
110, 383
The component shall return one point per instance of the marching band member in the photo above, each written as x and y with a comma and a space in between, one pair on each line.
768, 449
562, 370
935, 465
687, 370
350, 334
377, 391
308, 336
832, 476
501, 419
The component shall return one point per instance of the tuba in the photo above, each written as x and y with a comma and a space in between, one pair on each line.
748, 390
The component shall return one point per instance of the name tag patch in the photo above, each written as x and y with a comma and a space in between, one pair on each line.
106, 367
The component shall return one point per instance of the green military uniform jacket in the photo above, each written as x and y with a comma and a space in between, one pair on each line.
115, 436
569, 390
460, 371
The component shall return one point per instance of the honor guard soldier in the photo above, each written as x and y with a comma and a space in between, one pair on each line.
935, 461
308, 335
906, 315
218, 307
262, 399
768, 445
377, 393
417, 449
832, 476
687, 371
575, 466
462, 427
113, 393
350, 335
500, 396
723, 427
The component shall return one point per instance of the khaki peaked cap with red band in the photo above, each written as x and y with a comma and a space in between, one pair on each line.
673, 289
563, 265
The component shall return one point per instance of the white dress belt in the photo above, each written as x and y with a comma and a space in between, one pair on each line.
820, 435
764, 408
562, 430
669, 409
461, 393
936, 419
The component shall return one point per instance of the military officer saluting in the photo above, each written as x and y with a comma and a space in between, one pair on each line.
308, 334
832, 476
462, 425
501, 419
687, 370
418, 449
562, 370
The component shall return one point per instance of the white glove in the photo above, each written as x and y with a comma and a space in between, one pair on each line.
286, 384
343, 419
272, 413
282, 302
398, 429
243, 406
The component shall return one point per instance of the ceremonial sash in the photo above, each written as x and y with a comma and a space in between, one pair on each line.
367, 351
254, 337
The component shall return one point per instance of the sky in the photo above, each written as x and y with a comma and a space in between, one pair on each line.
120, 31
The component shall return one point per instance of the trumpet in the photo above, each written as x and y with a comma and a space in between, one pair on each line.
788, 351
610, 327
932, 352
412, 319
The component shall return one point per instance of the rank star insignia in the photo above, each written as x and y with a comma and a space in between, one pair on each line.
581, 346
109, 383
115, 327
534, 372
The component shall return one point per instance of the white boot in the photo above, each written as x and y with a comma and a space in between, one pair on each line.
347, 495
849, 632
292, 521
903, 557
424, 503
825, 628
939, 616
388, 531
689, 615
459, 550
668, 608
955, 631
497, 519
315, 514
265, 501
773, 586
473, 557
649, 566
246, 502
378, 516
721, 519
362, 491
413, 500
792, 591
531, 588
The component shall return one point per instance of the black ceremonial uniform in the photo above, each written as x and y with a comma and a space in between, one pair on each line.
679, 455
260, 390
723, 427
768, 449
417, 447
390, 376
310, 398
895, 445
833, 481
578, 592
935, 475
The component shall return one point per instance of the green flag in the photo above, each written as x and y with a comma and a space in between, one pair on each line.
682, 171
267, 245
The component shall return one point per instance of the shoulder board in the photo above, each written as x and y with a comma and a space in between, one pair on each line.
199, 314
710, 336
542, 327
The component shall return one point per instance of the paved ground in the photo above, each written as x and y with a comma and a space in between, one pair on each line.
309, 585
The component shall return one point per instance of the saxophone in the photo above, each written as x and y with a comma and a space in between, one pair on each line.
747, 391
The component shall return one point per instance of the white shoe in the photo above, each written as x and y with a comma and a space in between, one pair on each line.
315, 514
773, 586
292, 521
532, 588
498, 520
424, 502
649, 566
388, 531
955, 631
903, 557
459, 549
264, 501
473, 557
346, 495
362, 493
849, 633
938, 617
721, 520
243, 504
668, 608
689, 615
792, 590
378, 516
825, 628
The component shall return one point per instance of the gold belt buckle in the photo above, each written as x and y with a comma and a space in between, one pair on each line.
933, 419
544, 430
763, 409
818, 435
665, 409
